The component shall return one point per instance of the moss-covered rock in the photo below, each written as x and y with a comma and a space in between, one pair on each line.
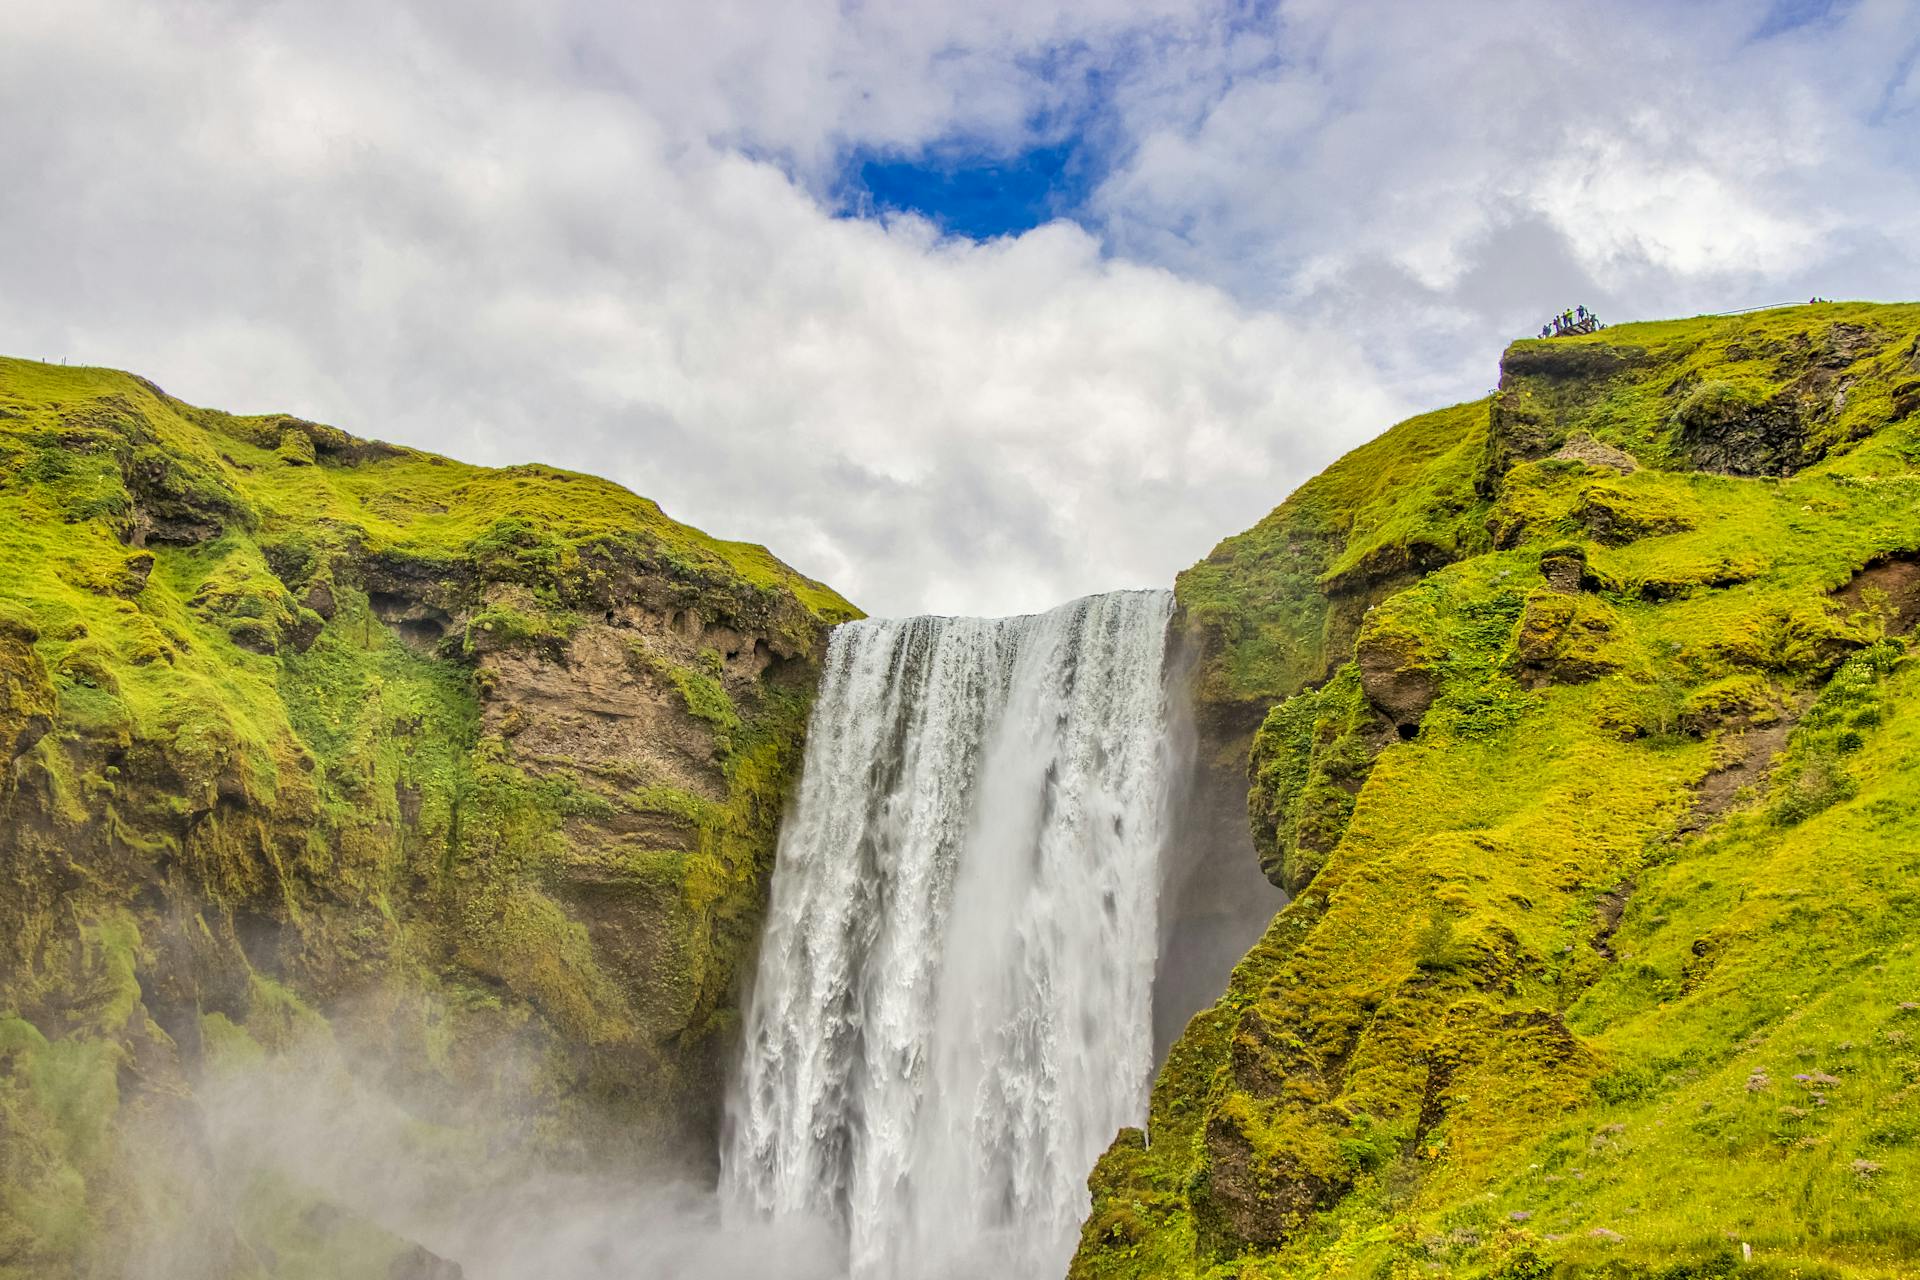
1308, 762
1736, 701
310, 737
1569, 638
1398, 662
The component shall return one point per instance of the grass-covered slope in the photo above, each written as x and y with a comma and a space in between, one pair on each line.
310, 740
1593, 757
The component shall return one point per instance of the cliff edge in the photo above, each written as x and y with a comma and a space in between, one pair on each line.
317, 747
1585, 729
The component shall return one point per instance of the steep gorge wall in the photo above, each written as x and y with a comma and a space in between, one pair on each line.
467, 777
1580, 723
1215, 903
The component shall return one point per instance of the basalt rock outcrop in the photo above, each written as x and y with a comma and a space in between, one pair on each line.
464, 778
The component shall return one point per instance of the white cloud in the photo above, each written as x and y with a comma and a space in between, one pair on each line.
1614, 198
1683, 167
594, 233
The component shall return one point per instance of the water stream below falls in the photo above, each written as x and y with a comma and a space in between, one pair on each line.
952, 1014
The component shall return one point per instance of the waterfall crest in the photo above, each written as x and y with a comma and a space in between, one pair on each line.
952, 1012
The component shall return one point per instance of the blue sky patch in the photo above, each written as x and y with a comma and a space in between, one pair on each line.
1791, 15
985, 186
968, 192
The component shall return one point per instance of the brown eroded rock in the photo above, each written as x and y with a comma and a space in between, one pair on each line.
1397, 674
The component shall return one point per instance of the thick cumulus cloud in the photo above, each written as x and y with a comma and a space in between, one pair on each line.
483, 241
603, 235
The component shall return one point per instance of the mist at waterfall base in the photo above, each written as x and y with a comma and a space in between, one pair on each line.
950, 1020
313, 1142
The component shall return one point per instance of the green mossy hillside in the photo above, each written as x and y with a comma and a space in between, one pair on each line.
307, 736
1279, 604
1589, 751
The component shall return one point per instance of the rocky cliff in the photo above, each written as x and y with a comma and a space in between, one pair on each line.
463, 778
1582, 724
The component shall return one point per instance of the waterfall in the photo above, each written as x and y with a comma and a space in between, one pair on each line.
952, 1012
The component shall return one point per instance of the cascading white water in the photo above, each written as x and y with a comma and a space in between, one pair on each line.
952, 1014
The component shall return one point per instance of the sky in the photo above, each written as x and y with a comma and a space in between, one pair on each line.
959, 308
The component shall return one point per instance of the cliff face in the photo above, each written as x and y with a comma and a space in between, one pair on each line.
312, 741
1582, 725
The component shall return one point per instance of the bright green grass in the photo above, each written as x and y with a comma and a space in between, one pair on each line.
414, 503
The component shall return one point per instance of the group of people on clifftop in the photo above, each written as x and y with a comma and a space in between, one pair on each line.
1579, 320
1568, 323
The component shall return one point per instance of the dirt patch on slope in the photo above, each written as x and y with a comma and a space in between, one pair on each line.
1888, 586
1750, 755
